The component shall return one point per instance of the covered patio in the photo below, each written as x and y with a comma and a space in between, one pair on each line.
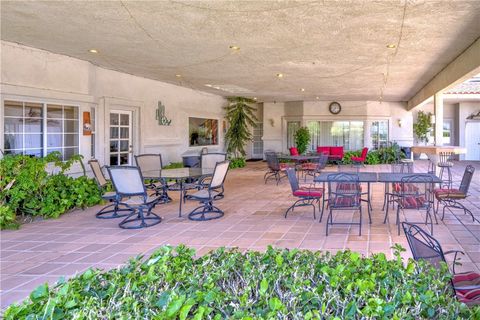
44, 251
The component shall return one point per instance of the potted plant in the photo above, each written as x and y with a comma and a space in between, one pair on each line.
241, 116
422, 129
302, 139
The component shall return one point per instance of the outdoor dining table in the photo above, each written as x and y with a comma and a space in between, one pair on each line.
180, 175
299, 158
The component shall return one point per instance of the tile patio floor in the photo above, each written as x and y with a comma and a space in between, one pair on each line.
44, 251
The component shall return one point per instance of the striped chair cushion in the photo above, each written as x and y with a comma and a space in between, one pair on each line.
348, 201
412, 202
309, 166
470, 297
347, 186
408, 187
449, 193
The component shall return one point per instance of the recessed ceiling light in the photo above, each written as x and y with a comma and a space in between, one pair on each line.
93, 51
235, 48
178, 75
317, 98
303, 89
391, 46
254, 98
279, 75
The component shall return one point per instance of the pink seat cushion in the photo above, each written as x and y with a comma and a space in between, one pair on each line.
304, 192
293, 151
323, 150
336, 151
349, 201
408, 187
412, 202
468, 296
357, 159
309, 166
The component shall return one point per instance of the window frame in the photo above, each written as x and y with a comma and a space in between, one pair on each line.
377, 134
44, 120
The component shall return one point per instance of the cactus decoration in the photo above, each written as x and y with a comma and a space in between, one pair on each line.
160, 115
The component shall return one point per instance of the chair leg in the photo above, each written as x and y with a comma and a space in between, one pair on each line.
398, 219
360, 225
328, 221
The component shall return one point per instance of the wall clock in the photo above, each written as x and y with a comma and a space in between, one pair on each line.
335, 107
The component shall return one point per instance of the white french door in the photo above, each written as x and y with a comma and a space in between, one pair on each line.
257, 145
121, 148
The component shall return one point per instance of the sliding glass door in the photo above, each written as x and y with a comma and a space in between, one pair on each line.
348, 134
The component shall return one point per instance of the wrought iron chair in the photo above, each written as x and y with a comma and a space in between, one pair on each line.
128, 182
353, 168
343, 194
151, 166
315, 166
450, 198
275, 168
206, 196
414, 194
111, 196
307, 195
391, 195
424, 247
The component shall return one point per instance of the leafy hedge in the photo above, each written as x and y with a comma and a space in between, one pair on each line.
237, 163
28, 190
384, 155
277, 284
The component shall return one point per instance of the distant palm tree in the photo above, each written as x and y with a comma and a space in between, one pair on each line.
240, 116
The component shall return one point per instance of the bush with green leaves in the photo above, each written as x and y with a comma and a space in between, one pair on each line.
241, 117
174, 165
302, 139
277, 284
237, 163
27, 189
383, 155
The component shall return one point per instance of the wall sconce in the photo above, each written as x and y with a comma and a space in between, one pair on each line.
400, 122
272, 122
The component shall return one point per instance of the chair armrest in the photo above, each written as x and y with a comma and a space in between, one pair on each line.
454, 257
467, 287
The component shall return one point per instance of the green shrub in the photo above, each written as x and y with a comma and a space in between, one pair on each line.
302, 139
237, 163
384, 155
28, 190
277, 284
347, 156
174, 165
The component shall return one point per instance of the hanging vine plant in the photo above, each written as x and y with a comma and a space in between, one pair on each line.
240, 116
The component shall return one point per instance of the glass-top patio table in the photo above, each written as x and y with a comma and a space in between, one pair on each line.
180, 175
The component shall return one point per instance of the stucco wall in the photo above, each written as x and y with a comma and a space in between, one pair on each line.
32, 74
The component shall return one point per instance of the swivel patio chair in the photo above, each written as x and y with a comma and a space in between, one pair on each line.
128, 182
110, 211
445, 163
307, 195
343, 194
151, 166
359, 161
207, 161
466, 286
207, 196
414, 194
276, 169
450, 198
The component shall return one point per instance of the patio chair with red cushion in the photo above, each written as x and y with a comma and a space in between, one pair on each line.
360, 160
294, 151
450, 198
315, 166
336, 154
275, 168
425, 247
307, 194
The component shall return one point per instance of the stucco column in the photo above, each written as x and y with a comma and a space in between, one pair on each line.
438, 108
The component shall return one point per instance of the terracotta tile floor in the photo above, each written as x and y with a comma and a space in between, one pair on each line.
254, 218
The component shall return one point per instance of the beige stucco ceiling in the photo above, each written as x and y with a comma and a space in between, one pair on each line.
335, 50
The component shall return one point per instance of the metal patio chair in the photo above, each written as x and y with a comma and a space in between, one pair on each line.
275, 168
150, 166
307, 195
110, 211
343, 194
354, 168
414, 194
207, 196
128, 182
425, 247
315, 166
450, 198
392, 194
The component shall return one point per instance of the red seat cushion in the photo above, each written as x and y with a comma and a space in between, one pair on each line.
346, 186
449, 193
348, 201
357, 159
468, 296
309, 166
408, 187
323, 150
293, 151
412, 202
283, 166
336, 151
313, 192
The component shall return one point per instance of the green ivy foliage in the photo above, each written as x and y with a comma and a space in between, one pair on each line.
27, 189
237, 163
227, 284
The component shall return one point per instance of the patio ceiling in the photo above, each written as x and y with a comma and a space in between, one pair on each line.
333, 50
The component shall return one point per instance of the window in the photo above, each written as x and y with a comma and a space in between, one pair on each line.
447, 132
292, 127
203, 132
37, 129
379, 134
348, 134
